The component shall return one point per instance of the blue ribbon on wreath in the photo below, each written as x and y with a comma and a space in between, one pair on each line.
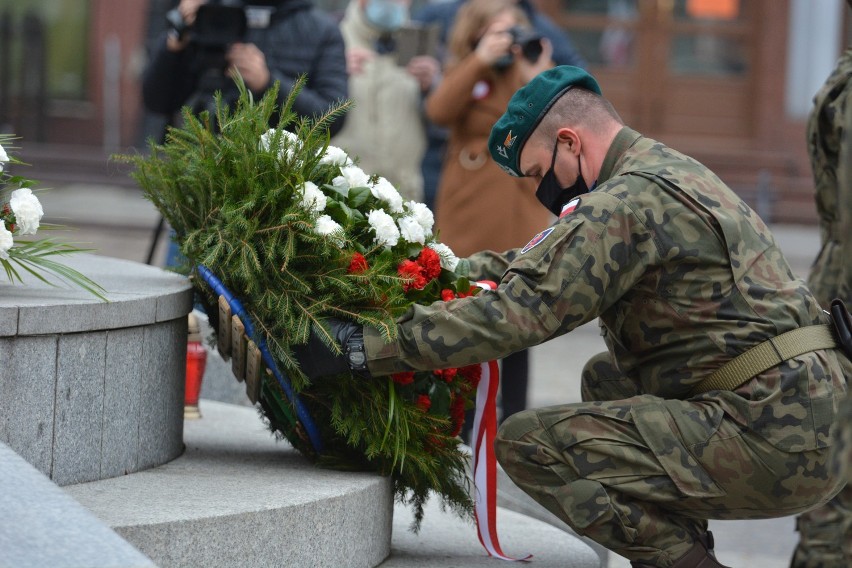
238, 310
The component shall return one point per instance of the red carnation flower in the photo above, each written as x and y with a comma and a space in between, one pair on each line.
473, 374
424, 403
431, 263
404, 378
358, 264
447, 294
414, 272
457, 415
447, 374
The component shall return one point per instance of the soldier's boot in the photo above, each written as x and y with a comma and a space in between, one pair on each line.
699, 556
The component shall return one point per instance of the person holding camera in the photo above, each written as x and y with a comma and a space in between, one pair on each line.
443, 14
384, 129
492, 52
264, 41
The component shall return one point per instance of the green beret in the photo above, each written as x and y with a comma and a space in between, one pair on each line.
526, 109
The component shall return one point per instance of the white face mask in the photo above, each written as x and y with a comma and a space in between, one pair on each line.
386, 15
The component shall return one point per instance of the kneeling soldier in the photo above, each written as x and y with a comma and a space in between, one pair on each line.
722, 379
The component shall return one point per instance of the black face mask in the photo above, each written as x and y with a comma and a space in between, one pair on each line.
554, 196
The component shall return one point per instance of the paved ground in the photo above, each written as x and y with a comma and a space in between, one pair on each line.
118, 222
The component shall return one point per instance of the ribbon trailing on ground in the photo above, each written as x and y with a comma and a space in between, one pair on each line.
484, 462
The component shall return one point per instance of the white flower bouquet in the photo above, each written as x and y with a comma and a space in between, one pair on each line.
20, 216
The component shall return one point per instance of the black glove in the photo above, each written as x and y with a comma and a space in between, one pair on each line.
317, 360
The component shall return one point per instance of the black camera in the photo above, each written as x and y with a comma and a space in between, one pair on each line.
216, 26
530, 43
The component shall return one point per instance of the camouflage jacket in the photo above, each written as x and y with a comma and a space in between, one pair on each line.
683, 275
830, 149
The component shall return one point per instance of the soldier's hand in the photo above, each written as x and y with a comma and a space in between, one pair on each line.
317, 360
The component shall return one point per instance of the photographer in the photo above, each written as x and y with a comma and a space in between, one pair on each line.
385, 129
493, 51
281, 39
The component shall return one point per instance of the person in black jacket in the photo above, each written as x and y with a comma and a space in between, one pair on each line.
284, 39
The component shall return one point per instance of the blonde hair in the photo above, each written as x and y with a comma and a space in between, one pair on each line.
472, 19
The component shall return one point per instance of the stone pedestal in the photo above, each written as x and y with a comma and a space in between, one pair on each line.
91, 389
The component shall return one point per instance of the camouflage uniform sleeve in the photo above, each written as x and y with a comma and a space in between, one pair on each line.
489, 265
563, 278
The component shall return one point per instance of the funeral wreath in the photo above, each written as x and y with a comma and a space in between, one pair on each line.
300, 233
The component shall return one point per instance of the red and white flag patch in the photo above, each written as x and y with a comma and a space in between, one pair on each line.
569, 207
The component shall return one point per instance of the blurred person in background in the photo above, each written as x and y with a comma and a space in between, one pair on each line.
443, 13
384, 128
275, 40
492, 52
281, 40
825, 533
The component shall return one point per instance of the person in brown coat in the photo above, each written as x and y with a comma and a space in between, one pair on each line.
491, 54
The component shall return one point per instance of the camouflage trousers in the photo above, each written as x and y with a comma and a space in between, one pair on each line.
619, 469
825, 533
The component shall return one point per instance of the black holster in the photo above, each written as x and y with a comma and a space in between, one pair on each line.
842, 324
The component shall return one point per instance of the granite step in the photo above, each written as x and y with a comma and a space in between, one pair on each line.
40, 525
446, 541
237, 497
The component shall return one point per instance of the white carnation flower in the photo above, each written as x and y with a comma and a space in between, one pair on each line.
411, 230
448, 259
6, 241
288, 143
423, 215
335, 156
27, 210
384, 226
4, 157
328, 227
313, 199
385, 191
351, 176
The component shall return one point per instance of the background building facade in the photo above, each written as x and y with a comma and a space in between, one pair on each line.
727, 81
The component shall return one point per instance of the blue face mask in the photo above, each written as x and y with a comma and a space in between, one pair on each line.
386, 14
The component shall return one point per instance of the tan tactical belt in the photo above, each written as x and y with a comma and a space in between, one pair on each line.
766, 355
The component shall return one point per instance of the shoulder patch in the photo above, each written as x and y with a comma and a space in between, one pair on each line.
537, 240
569, 207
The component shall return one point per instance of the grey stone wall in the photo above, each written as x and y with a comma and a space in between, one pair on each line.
91, 389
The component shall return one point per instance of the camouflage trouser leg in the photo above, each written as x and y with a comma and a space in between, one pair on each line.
825, 533
641, 475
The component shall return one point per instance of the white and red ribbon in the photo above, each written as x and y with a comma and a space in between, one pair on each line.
483, 460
